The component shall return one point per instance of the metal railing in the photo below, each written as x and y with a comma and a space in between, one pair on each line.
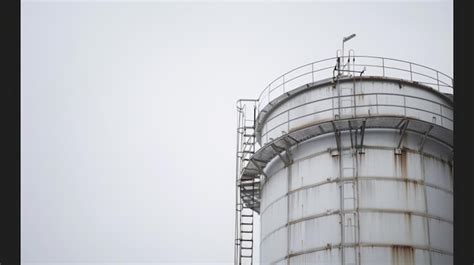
364, 65
442, 112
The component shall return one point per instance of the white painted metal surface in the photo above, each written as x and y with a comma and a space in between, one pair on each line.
358, 98
386, 200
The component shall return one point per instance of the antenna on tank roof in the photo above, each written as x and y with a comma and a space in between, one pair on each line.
341, 58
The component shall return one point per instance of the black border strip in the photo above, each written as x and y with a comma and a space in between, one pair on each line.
10, 141
463, 133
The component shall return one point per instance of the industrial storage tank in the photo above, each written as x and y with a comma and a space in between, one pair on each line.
348, 161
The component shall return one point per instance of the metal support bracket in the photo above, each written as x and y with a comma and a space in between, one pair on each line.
288, 154
337, 135
259, 168
422, 144
359, 148
279, 150
402, 135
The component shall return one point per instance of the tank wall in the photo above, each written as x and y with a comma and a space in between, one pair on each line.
376, 97
400, 211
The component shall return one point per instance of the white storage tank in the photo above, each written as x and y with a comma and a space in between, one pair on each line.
355, 165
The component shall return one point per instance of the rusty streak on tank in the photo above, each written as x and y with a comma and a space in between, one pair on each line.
403, 255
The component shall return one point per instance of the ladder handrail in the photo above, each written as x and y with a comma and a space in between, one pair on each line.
244, 215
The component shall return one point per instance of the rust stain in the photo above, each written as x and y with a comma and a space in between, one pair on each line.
451, 173
328, 247
403, 163
360, 98
396, 160
401, 169
403, 255
408, 224
451, 170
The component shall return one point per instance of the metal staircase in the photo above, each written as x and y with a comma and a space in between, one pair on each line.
247, 185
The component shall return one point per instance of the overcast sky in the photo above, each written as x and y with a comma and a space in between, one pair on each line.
128, 112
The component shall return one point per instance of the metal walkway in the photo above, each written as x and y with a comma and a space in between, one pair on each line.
278, 147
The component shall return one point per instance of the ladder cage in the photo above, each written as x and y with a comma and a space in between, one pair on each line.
246, 187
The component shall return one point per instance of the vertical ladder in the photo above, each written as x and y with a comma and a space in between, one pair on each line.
345, 105
246, 186
349, 218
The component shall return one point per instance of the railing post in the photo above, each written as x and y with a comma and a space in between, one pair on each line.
437, 79
441, 113
411, 74
405, 105
283, 84
377, 103
288, 122
312, 72
269, 86
383, 67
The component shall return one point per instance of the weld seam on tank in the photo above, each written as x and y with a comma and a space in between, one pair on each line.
431, 137
376, 147
368, 147
439, 139
362, 245
363, 210
361, 94
368, 117
373, 147
357, 107
427, 221
335, 180
265, 120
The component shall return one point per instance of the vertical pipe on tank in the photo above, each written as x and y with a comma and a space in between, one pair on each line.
358, 261
341, 193
288, 234
427, 219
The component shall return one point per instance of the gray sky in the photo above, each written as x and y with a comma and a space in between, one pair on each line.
128, 112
